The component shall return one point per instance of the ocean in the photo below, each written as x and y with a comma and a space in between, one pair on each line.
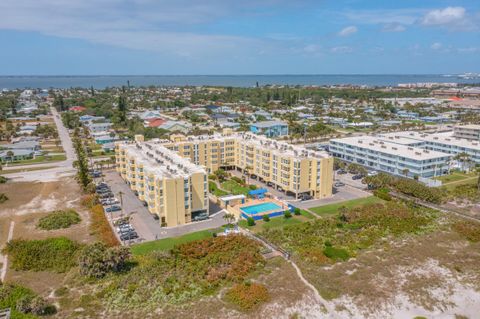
100, 82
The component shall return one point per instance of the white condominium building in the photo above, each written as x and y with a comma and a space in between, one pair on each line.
469, 132
395, 158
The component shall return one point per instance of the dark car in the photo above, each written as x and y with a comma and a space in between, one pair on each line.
358, 176
106, 195
103, 190
305, 197
341, 171
128, 236
113, 208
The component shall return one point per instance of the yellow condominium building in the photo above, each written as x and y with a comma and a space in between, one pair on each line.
291, 168
173, 187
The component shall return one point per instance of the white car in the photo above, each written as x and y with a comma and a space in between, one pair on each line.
372, 173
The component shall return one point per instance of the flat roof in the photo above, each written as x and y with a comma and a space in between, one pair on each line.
382, 146
443, 138
268, 123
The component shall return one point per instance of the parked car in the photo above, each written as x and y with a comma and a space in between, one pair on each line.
103, 190
128, 236
372, 173
358, 176
125, 228
113, 208
339, 184
109, 201
305, 197
341, 171
106, 195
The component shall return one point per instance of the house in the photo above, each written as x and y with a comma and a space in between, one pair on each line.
91, 118
176, 126
150, 114
270, 128
24, 145
27, 129
155, 122
406, 115
232, 125
77, 108
104, 139
98, 127
18, 154
262, 113
360, 124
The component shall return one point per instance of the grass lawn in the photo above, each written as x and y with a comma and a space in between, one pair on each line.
332, 209
235, 188
276, 222
455, 176
39, 159
215, 190
169, 243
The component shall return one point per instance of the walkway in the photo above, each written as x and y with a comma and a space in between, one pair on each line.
4, 258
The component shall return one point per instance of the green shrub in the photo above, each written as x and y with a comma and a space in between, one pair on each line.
266, 218
469, 230
383, 193
250, 221
287, 214
3, 198
336, 253
3, 179
252, 187
97, 260
23, 302
297, 211
51, 254
59, 219
248, 296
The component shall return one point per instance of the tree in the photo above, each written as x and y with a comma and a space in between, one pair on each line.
10, 155
229, 218
405, 172
96, 260
122, 106
250, 221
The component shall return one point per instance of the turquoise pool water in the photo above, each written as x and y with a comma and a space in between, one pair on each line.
259, 208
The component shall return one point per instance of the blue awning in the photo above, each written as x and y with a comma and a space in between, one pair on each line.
260, 191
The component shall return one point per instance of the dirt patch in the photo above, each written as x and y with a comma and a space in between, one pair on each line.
429, 275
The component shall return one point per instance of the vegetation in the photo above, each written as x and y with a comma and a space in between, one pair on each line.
213, 188
59, 219
406, 186
333, 209
331, 239
51, 254
81, 164
247, 295
469, 230
23, 302
97, 260
168, 243
287, 214
250, 221
235, 188
186, 272
3, 198
3, 179
100, 227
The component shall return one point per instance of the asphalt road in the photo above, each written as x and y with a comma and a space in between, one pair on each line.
60, 169
342, 194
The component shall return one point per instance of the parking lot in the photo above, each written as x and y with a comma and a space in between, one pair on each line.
347, 179
143, 221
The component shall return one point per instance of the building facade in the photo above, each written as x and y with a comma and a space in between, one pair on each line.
390, 157
270, 128
171, 175
173, 188
469, 132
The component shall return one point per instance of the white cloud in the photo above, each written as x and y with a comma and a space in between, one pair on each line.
345, 32
436, 46
341, 49
393, 27
447, 16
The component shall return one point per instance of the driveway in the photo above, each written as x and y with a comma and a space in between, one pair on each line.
347, 179
142, 220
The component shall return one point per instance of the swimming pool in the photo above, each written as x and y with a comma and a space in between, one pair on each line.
260, 208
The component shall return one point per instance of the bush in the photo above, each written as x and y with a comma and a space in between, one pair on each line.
3, 198
89, 201
97, 260
250, 221
383, 193
3, 179
297, 211
238, 180
100, 226
59, 219
252, 187
336, 253
266, 218
287, 214
23, 302
51, 254
247, 296
469, 230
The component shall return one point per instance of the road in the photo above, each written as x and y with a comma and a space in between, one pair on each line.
60, 169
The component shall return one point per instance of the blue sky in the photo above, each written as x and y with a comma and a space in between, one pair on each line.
50, 37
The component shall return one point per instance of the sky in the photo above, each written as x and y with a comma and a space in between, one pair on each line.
174, 37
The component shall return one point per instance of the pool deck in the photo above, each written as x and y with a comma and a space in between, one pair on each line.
236, 209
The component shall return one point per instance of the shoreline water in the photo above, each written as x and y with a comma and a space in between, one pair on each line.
103, 81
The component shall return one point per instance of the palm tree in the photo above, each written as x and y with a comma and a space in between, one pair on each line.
229, 218
405, 172
10, 155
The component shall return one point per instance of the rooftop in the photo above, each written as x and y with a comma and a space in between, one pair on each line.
437, 138
385, 147
265, 124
